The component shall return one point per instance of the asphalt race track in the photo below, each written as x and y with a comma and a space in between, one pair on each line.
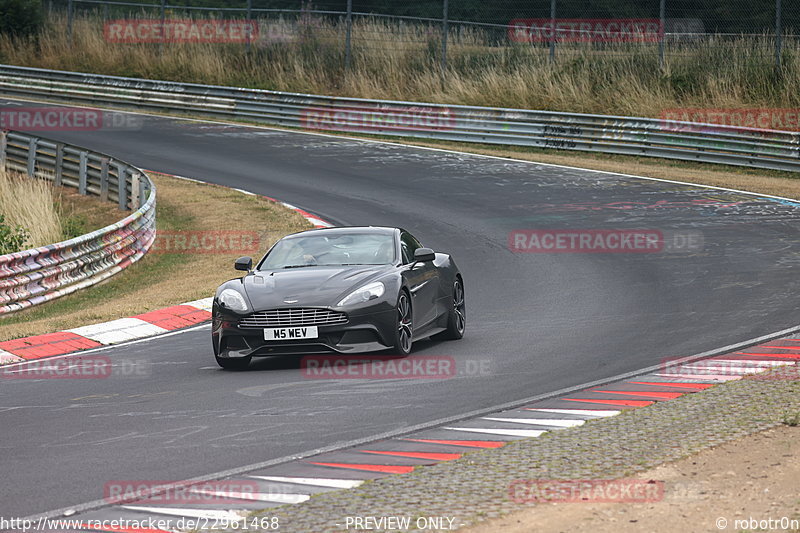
536, 322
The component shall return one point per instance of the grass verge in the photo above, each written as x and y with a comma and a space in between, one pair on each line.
161, 279
401, 61
29, 205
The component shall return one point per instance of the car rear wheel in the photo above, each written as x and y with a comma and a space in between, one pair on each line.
404, 329
233, 363
457, 318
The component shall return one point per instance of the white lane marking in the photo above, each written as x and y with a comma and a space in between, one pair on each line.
319, 222
203, 304
507, 432
580, 412
748, 362
315, 481
117, 331
255, 496
721, 369
243, 191
7, 357
210, 514
539, 421
701, 377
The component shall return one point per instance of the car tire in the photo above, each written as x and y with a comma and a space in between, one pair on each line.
404, 328
457, 317
233, 363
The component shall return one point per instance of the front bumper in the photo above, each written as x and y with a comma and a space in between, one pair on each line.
366, 330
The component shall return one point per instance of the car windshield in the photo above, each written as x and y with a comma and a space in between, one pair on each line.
331, 250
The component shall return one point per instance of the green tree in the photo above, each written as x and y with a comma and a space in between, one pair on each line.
20, 17
12, 238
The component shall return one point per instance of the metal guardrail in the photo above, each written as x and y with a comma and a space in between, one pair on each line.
688, 141
42, 274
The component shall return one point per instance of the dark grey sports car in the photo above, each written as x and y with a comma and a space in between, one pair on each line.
338, 290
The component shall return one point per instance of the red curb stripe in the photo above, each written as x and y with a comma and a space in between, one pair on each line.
630, 403
466, 443
175, 317
419, 455
697, 386
643, 394
781, 355
389, 469
777, 346
49, 344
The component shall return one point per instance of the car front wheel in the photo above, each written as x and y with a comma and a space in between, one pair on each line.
404, 328
457, 317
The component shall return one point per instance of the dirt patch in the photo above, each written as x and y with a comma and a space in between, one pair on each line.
755, 477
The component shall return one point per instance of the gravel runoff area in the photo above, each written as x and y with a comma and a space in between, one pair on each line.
476, 487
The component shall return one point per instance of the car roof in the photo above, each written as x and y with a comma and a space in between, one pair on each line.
345, 230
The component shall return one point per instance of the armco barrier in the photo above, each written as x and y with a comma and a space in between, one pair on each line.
708, 143
42, 274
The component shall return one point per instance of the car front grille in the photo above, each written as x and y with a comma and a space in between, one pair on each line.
279, 318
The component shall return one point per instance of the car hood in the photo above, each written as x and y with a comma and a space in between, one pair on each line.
307, 287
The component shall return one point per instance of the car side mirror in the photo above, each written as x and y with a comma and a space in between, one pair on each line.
244, 263
424, 255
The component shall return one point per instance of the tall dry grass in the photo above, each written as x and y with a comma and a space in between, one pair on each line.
401, 61
30, 203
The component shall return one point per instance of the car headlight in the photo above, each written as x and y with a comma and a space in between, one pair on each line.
232, 299
364, 294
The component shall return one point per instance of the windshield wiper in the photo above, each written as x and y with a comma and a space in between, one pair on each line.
299, 266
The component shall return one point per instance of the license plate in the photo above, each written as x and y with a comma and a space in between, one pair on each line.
289, 334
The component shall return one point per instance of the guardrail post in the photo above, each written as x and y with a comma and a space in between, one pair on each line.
70, 11
445, 31
122, 187
3, 148
248, 26
348, 32
59, 165
141, 193
135, 192
552, 30
32, 156
778, 31
662, 10
104, 178
82, 173
163, 20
